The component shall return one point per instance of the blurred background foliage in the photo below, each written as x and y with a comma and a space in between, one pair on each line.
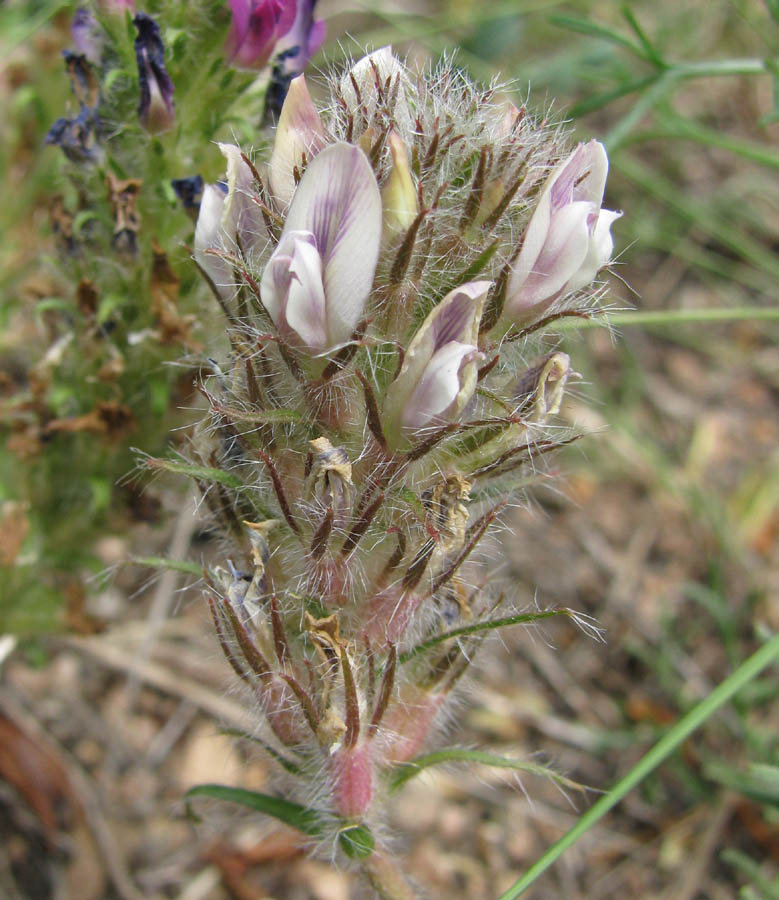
667, 526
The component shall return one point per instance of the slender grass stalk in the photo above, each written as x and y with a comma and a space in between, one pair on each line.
696, 717
662, 317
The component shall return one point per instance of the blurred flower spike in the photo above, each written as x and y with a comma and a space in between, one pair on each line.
568, 239
318, 279
155, 105
257, 27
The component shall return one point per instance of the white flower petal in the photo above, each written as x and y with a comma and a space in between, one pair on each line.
209, 236
299, 133
599, 251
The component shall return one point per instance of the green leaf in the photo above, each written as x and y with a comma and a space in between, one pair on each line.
81, 219
455, 754
309, 821
108, 306
356, 841
593, 29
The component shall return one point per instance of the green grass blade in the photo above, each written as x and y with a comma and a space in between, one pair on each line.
594, 29
696, 717
671, 317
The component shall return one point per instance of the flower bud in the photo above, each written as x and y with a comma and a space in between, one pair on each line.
155, 106
438, 375
399, 194
300, 135
315, 284
568, 239
409, 722
374, 75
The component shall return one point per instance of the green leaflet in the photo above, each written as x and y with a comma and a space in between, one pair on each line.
201, 473
356, 841
489, 625
409, 770
309, 821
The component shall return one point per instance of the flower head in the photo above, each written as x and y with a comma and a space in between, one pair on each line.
568, 238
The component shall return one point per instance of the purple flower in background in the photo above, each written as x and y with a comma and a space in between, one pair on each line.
86, 34
568, 239
292, 54
438, 375
257, 27
303, 40
317, 281
155, 105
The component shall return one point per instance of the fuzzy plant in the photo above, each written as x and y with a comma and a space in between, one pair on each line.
383, 271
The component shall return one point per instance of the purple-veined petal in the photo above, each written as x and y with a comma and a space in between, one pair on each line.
564, 250
338, 201
438, 375
439, 386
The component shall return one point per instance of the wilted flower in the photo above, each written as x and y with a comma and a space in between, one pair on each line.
399, 194
568, 239
438, 375
256, 28
189, 190
77, 137
317, 281
155, 105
